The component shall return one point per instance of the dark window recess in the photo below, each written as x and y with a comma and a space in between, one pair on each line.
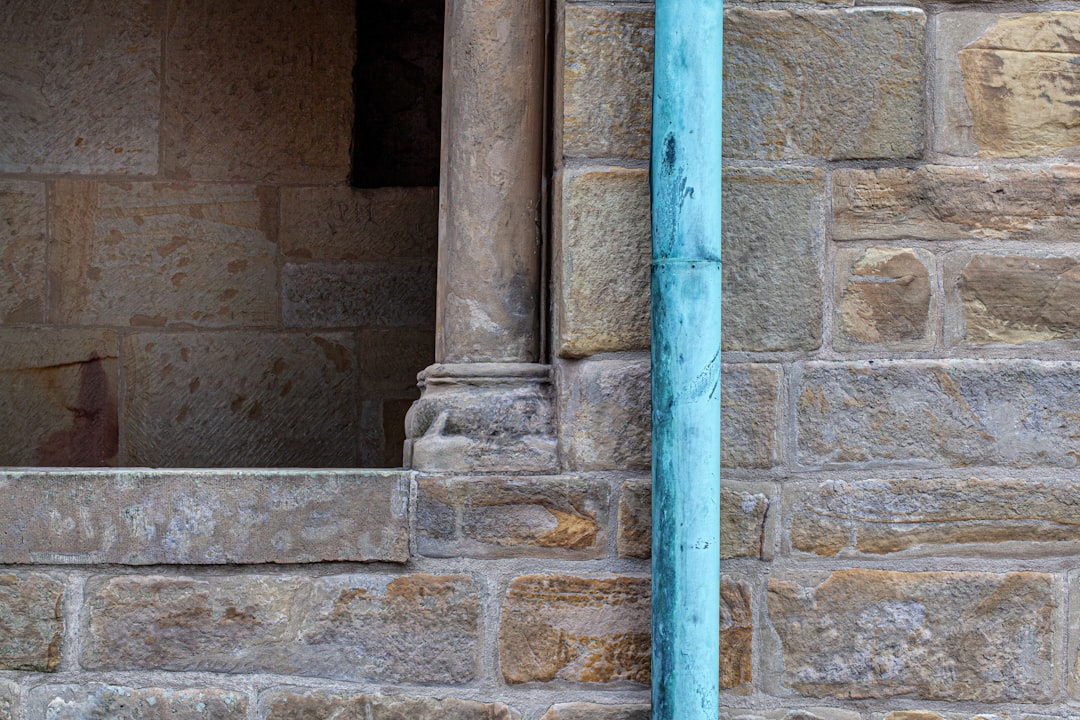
397, 86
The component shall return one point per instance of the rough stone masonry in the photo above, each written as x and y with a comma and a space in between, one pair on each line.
901, 432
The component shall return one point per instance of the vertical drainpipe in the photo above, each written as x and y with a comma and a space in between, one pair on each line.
685, 178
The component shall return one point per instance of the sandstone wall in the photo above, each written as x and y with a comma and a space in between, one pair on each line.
186, 277
900, 333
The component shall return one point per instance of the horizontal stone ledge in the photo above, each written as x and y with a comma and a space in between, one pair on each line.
929, 516
204, 517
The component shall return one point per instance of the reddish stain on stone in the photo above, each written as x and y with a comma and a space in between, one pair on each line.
93, 439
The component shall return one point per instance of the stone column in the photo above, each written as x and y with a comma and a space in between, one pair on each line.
472, 413
489, 205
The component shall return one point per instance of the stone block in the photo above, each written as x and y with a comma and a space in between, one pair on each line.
58, 397
939, 202
607, 81
80, 92
341, 223
798, 84
95, 700
162, 254
1012, 299
773, 255
949, 412
396, 629
9, 700
591, 711
1018, 73
391, 358
605, 415
31, 605
749, 395
934, 516
883, 297
743, 512
952, 117
800, 713
564, 517
953, 636
603, 295
240, 399
635, 519
146, 517
916, 714
576, 629
259, 92
304, 705
736, 636
380, 294
22, 251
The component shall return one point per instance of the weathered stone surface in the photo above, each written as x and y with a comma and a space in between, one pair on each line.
952, 118
298, 705
240, 399
143, 517
495, 109
605, 414
939, 635
748, 414
603, 302
1012, 298
799, 83
635, 519
483, 417
31, 605
9, 700
773, 255
579, 629
883, 298
951, 412
340, 223
157, 254
934, 516
938, 202
391, 358
591, 711
736, 636
22, 251
402, 629
95, 700
937, 715
381, 294
80, 89
258, 92
802, 713
743, 511
1020, 81
607, 81
58, 397
511, 517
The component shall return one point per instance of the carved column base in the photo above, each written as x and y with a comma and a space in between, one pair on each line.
483, 417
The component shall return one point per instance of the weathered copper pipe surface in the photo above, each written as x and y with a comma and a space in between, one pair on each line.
686, 218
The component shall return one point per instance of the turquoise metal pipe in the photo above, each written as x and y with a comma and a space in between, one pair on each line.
686, 276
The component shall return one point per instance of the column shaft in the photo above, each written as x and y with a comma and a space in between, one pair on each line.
490, 190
